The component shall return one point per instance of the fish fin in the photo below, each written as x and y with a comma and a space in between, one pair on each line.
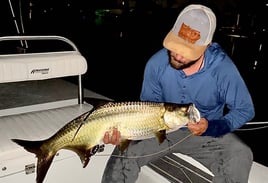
85, 154
97, 102
76, 132
161, 136
43, 164
30, 146
44, 159
82, 118
124, 145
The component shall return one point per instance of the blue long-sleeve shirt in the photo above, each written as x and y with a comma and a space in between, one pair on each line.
216, 86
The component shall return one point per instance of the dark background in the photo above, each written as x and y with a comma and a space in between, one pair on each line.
117, 38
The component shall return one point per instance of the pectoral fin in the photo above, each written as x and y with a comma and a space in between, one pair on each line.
124, 145
161, 136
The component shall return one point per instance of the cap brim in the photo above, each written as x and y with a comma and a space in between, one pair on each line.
182, 47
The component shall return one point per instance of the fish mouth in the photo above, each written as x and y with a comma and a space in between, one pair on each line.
194, 114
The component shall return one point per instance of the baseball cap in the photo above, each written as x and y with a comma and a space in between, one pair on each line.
192, 32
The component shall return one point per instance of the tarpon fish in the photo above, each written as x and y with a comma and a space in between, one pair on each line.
84, 134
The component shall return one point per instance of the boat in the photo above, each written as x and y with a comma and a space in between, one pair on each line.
37, 98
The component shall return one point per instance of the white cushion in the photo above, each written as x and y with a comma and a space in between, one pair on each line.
38, 66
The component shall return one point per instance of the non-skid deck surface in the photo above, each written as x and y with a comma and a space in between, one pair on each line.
29, 96
177, 170
21, 94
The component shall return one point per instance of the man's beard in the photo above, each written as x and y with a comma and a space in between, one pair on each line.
183, 66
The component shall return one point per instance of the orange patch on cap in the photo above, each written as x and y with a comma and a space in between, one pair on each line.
188, 34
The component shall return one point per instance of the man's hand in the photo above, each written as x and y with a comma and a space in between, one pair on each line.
198, 128
114, 139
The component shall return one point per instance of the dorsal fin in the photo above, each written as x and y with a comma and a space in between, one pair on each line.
96, 102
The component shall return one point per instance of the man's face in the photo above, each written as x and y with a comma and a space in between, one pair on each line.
177, 61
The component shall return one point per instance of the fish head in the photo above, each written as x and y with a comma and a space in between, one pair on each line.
193, 113
177, 115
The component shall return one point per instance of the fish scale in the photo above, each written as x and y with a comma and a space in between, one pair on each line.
139, 120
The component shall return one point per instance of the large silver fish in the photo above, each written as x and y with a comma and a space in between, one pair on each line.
135, 121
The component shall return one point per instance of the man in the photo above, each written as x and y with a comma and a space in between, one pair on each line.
193, 69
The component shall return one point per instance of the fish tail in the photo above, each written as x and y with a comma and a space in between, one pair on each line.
43, 165
31, 146
44, 159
